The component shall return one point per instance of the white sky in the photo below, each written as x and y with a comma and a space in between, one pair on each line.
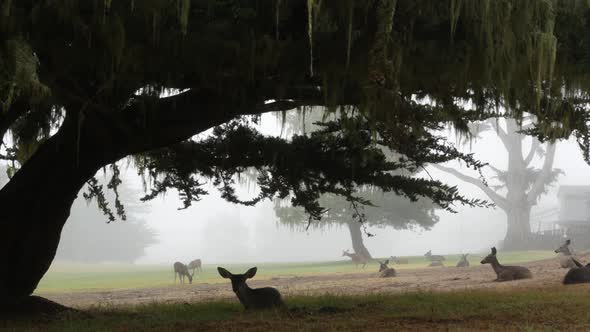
217, 231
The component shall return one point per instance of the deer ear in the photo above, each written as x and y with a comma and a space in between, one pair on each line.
223, 272
494, 251
251, 273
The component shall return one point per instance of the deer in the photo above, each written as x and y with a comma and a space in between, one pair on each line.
566, 260
433, 258
436, 263
252, 298
356, 258
195, 265
577, 275
386, 271
506, 273
463, 262
182, 271
397, 260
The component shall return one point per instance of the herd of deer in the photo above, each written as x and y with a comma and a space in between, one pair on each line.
577, 273
268, 297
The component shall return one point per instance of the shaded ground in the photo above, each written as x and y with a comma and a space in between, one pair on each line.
546, 273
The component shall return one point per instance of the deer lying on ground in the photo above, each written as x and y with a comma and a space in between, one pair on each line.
182, 271
506, 273
463, 262
436, 263
433, 258
577, 275
195, 265
397, 260
252, 298
385, 271
356, 258
566, 260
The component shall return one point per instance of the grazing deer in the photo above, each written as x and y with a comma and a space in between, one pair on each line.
385, 271
356, 258
463, 262
397, 260
577, 275
195, 265
506, 273
433, 258
252, 298
566, 260
182, 271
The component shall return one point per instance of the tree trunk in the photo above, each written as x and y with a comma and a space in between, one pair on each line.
518, 233
356, 235
35, 205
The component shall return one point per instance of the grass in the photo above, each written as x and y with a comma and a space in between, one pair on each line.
84, 277
559, 308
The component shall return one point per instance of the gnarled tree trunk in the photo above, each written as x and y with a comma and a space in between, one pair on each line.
519, 228
356, 235
35, 205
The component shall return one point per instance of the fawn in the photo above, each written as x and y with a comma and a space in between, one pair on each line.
385, 271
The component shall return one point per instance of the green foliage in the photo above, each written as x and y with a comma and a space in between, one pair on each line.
110, 61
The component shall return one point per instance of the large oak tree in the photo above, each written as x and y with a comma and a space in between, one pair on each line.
86, 83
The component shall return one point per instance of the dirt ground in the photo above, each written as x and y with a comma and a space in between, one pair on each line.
545, 273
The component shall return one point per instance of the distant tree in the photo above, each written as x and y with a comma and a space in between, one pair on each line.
389, 210
518, 186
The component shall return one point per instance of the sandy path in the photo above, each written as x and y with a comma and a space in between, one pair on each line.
545, 273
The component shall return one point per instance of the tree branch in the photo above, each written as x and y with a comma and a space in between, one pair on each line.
501, 133
498, 200
539, 185
534, 146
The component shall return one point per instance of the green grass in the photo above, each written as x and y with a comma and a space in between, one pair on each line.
560, 308
84, 277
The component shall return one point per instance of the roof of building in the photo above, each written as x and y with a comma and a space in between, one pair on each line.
573, 190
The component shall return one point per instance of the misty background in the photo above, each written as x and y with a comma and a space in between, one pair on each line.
220, 232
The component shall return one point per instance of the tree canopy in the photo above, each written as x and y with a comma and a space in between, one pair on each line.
86, 83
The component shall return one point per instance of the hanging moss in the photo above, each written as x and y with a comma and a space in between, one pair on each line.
184, 7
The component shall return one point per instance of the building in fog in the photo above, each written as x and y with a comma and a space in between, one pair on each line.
574, 211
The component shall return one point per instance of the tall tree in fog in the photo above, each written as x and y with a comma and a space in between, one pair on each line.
517, 185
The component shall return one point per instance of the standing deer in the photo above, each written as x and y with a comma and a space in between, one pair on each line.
195, 265
506, 273
182, 271
398, 260
385, 271
577, 275
566, 260
433, 258
463, 262
252, 298
356, 258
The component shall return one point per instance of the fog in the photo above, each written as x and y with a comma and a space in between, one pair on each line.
220, 232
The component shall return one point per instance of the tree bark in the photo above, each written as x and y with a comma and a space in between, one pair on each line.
35, 204
356, 235
519, 228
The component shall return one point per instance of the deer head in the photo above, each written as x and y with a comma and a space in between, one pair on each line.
237, 280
